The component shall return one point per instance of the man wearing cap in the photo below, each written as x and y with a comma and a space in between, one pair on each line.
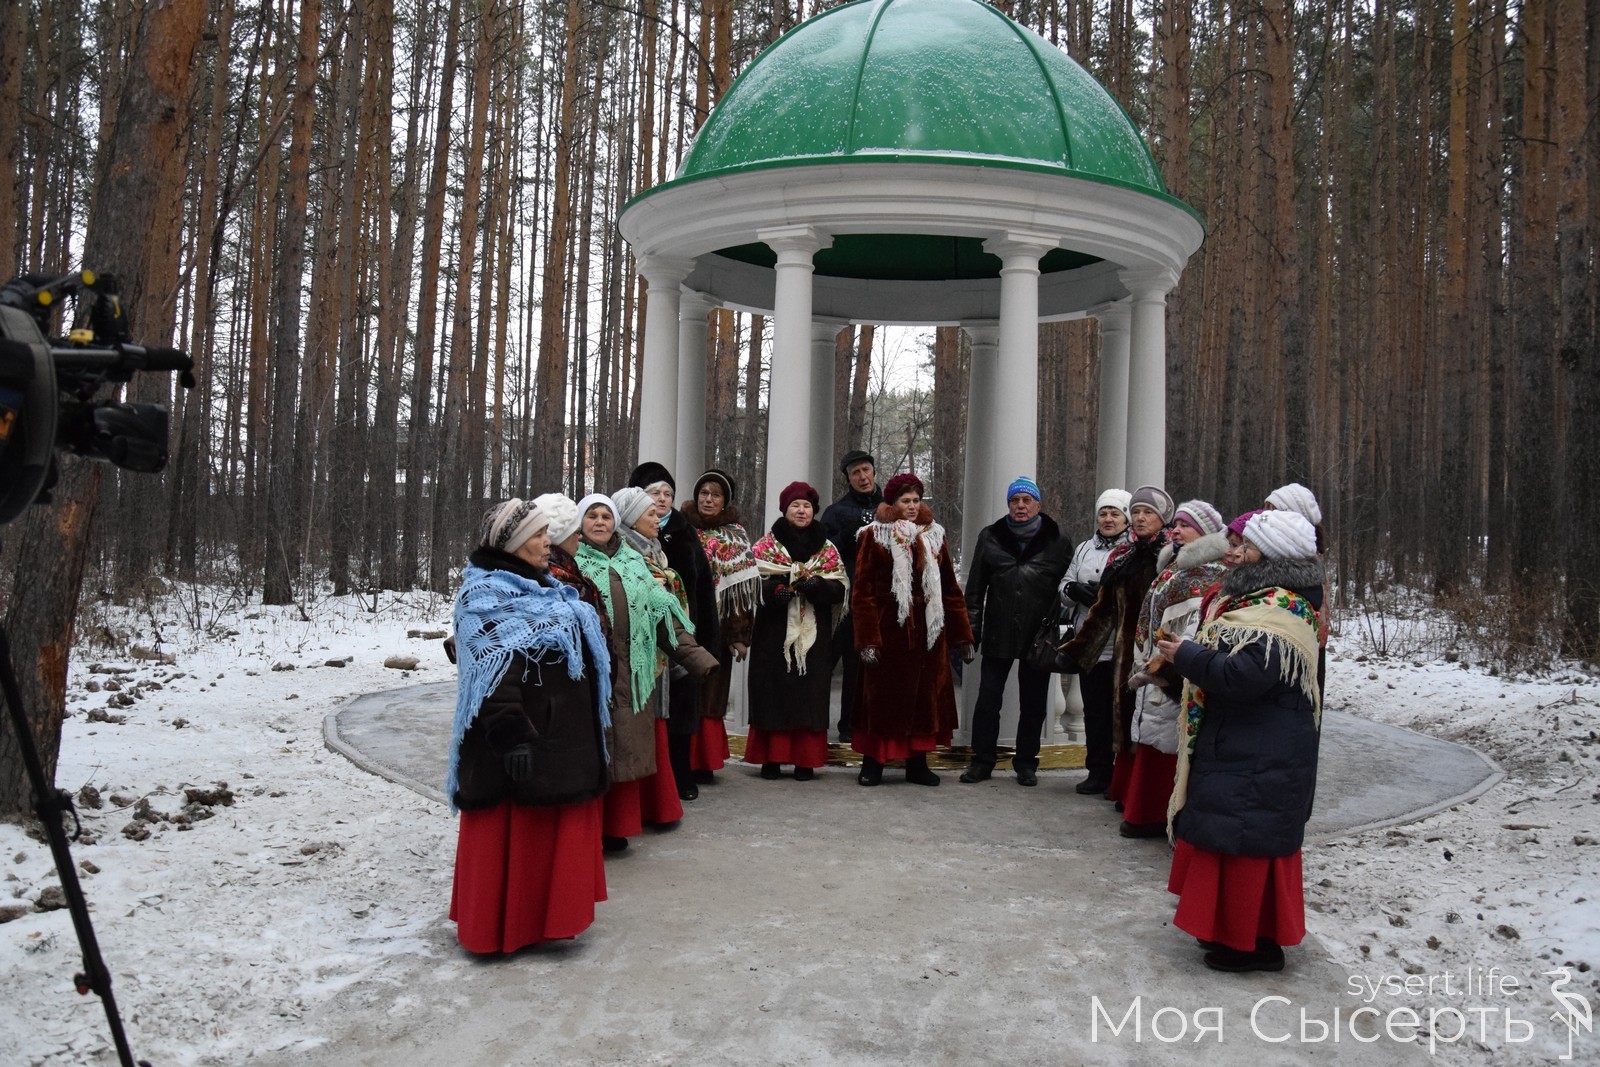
843, 520
1016, 564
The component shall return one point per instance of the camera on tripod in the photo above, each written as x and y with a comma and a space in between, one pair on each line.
48, 385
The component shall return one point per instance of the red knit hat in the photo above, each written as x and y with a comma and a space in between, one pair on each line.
898, 486
797, 491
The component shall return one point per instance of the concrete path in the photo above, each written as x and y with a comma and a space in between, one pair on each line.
822, 923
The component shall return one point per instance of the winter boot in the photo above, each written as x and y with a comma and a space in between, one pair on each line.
871, 771
917, 771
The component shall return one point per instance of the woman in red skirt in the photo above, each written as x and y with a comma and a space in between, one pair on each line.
527, 753
803, 585
909, 614
1247, 755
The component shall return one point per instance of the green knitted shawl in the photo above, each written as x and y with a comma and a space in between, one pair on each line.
648, 604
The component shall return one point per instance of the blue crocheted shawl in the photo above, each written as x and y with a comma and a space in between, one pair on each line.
499, 614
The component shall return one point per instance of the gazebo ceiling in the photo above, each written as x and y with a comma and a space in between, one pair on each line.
906, 257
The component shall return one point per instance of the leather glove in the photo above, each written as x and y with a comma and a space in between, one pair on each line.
450, 648
519, 762
1085, 593
869, 657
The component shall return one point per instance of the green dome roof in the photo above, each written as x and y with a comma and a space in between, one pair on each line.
952, 81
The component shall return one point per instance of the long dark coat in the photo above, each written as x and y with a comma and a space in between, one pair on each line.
1115, 618
781, 698
910, 692
535, 703
1010, 585
1253, 772
684, 553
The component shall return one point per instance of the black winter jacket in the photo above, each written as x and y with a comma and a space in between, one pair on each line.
844, 519
1254, 770
537, 704
1010, 586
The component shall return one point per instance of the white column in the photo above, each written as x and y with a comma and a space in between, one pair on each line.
824, 340
1111, 461
1016, 392
789, 407
983, 425
690, 457
658, 385
1147, 375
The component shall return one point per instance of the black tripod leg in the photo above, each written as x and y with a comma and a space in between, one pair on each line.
51, 804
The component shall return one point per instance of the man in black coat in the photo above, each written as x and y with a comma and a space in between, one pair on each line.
1016, 565
843, 519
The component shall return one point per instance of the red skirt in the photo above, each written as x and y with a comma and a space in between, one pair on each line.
1121, 774
888, 749
803, 748
658, 794
710, 750
525, 875
1237, 899
1149, 786
621, 817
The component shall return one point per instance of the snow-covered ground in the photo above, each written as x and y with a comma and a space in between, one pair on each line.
352, 870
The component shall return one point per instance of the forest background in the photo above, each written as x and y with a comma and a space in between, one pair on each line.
386, 230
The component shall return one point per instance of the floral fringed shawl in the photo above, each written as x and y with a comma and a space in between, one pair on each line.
800, 632
1287, 623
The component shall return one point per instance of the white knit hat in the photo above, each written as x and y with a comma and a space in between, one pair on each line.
563, 514
1296, 498
1202, 516
593, 499
632, 502
1282, 535
509, 524
1120, 499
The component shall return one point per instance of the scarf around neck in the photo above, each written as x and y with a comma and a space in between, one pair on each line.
800, 626
1287, 623
649, 604
897, 537
499, 614
728, 553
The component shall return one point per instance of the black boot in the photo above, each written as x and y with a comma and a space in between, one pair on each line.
1268, 956
917, 771
804, 774
678, 749
613, 844
871, 771
772, 771
1093, 785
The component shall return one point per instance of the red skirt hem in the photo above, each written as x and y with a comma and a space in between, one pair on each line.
1121, 774
658, 794
1237, 899
525, 875
1149, 786
710, 751
803, 748
621, 815
889, 749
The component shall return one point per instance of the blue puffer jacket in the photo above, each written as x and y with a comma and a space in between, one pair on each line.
1254, 770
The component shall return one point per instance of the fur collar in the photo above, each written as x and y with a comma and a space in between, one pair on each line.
889, 513
1295, 574
728, 516
494, 559
800, 542
1197, 553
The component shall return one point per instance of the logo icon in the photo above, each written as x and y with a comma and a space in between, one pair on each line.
1576, 1014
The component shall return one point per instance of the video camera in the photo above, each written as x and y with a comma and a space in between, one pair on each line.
47, 386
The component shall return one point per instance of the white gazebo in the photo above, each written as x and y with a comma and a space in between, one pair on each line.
918, 162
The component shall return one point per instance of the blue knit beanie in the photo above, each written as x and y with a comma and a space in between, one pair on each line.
1024, 484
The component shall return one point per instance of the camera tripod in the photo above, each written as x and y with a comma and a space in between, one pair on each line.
50, 804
